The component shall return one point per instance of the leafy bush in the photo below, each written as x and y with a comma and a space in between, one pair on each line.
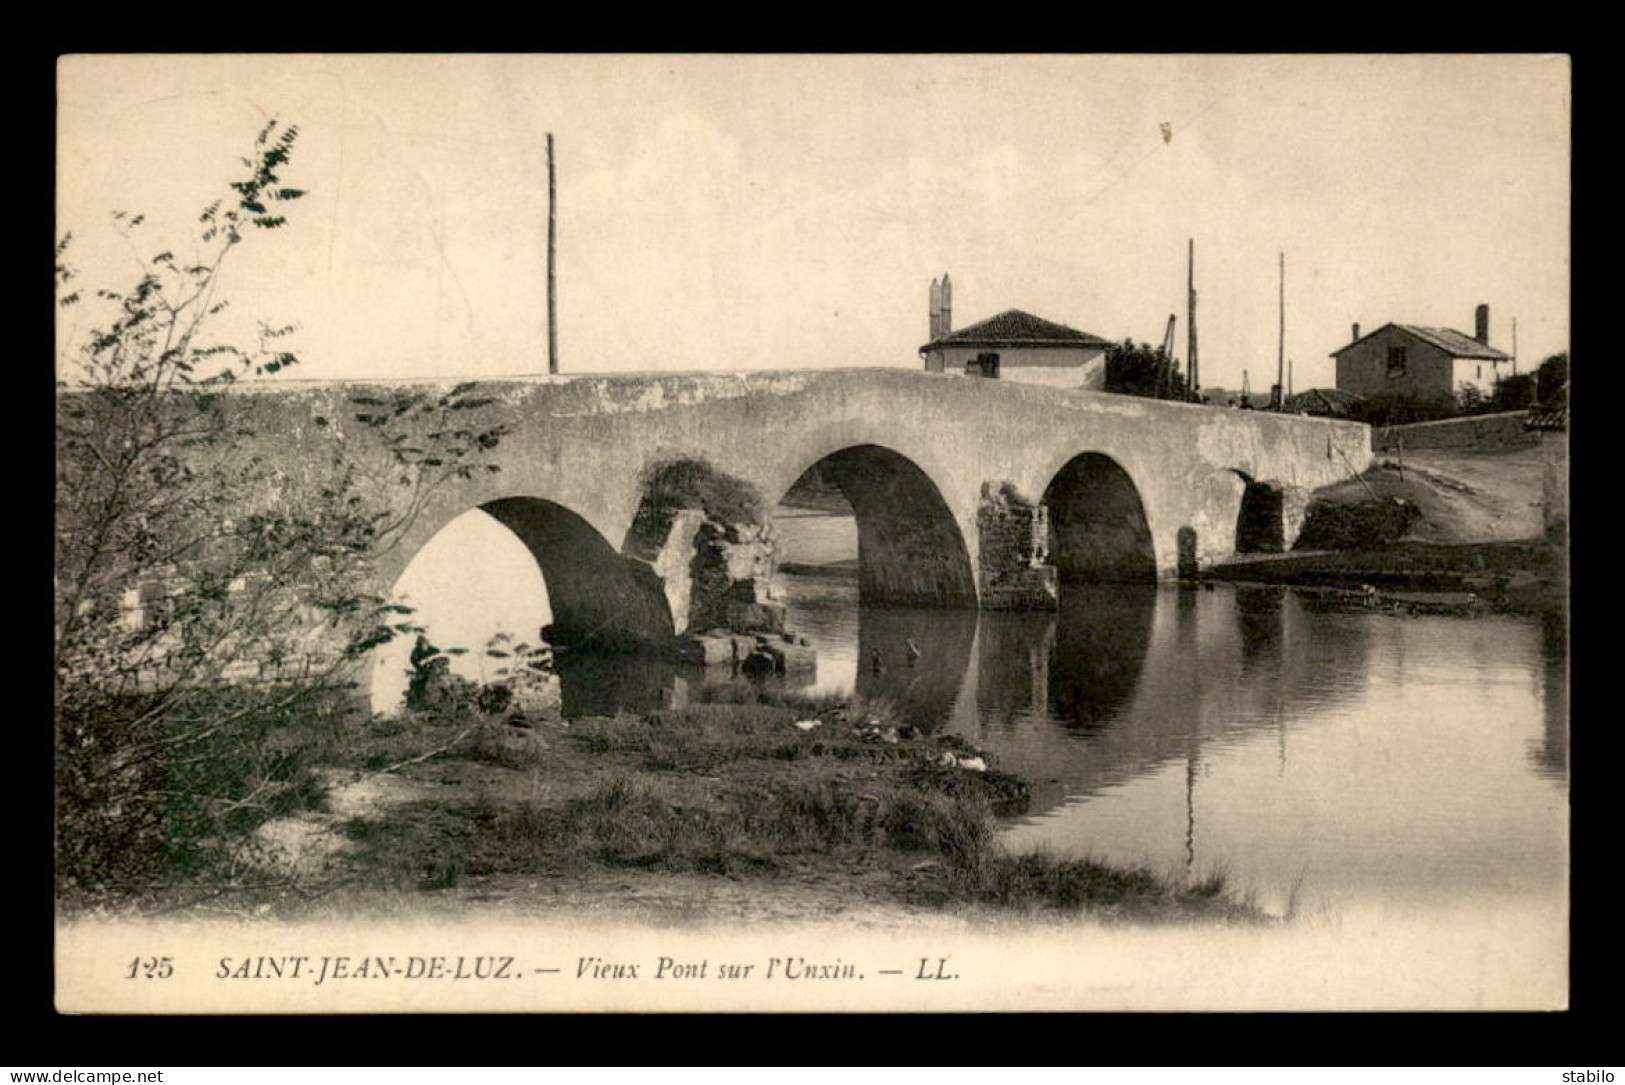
689, 483
1363, 525
1552, 379
1470, 399
139, 821
1515, 392
206, 597
1143, 370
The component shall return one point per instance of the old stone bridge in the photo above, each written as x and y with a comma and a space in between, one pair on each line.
961, 487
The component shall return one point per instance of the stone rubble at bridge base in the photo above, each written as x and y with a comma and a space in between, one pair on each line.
769, 654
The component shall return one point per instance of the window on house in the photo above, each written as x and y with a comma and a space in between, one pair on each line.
985, 365
1396, 362
1480, 370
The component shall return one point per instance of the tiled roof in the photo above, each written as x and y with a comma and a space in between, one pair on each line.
1449, 340
1014, 328
1331, 402
1455, 343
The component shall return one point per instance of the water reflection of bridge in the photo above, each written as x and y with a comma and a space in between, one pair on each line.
1122, 681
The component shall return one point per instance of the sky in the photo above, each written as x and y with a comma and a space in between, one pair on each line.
755, 212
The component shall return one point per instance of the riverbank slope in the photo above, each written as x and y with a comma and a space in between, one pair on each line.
1481, 524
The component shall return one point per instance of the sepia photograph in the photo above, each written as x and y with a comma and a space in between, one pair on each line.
811, 533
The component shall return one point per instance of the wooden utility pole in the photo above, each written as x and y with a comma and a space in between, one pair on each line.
1280, 346
1166, 374
1194, 381
552, 248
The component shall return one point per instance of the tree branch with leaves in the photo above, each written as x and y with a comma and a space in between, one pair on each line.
205, 591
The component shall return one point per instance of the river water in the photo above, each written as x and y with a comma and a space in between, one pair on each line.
1319, 754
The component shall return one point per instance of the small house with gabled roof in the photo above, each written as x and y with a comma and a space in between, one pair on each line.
1421, 363
1013, 345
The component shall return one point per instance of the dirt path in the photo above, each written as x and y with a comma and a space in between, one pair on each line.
308, 845
1480, 496
1463, 497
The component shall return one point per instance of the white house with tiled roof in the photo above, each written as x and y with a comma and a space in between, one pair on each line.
1012, 346
1421, 363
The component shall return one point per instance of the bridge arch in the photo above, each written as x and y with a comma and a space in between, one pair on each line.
911, 551
528, 567
1232, 512
1098, 526
1260, 522
598, 597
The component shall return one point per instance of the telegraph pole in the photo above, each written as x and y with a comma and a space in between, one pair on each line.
1280, 345
1195, 378
552, 247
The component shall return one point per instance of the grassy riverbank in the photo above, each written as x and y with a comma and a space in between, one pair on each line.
792, 801
843, 794
1523, 577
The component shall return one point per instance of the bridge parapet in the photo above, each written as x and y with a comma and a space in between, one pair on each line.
918, 449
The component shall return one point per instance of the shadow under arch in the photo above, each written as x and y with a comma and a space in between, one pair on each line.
911, 552
1236, 514
600, 600
1098, 529
511, 565
1260, 522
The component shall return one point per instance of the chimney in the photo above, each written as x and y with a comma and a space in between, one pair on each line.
1481, 321
1356, 332
936, 310
947, 305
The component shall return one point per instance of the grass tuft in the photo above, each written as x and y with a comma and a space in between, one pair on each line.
1036, 881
